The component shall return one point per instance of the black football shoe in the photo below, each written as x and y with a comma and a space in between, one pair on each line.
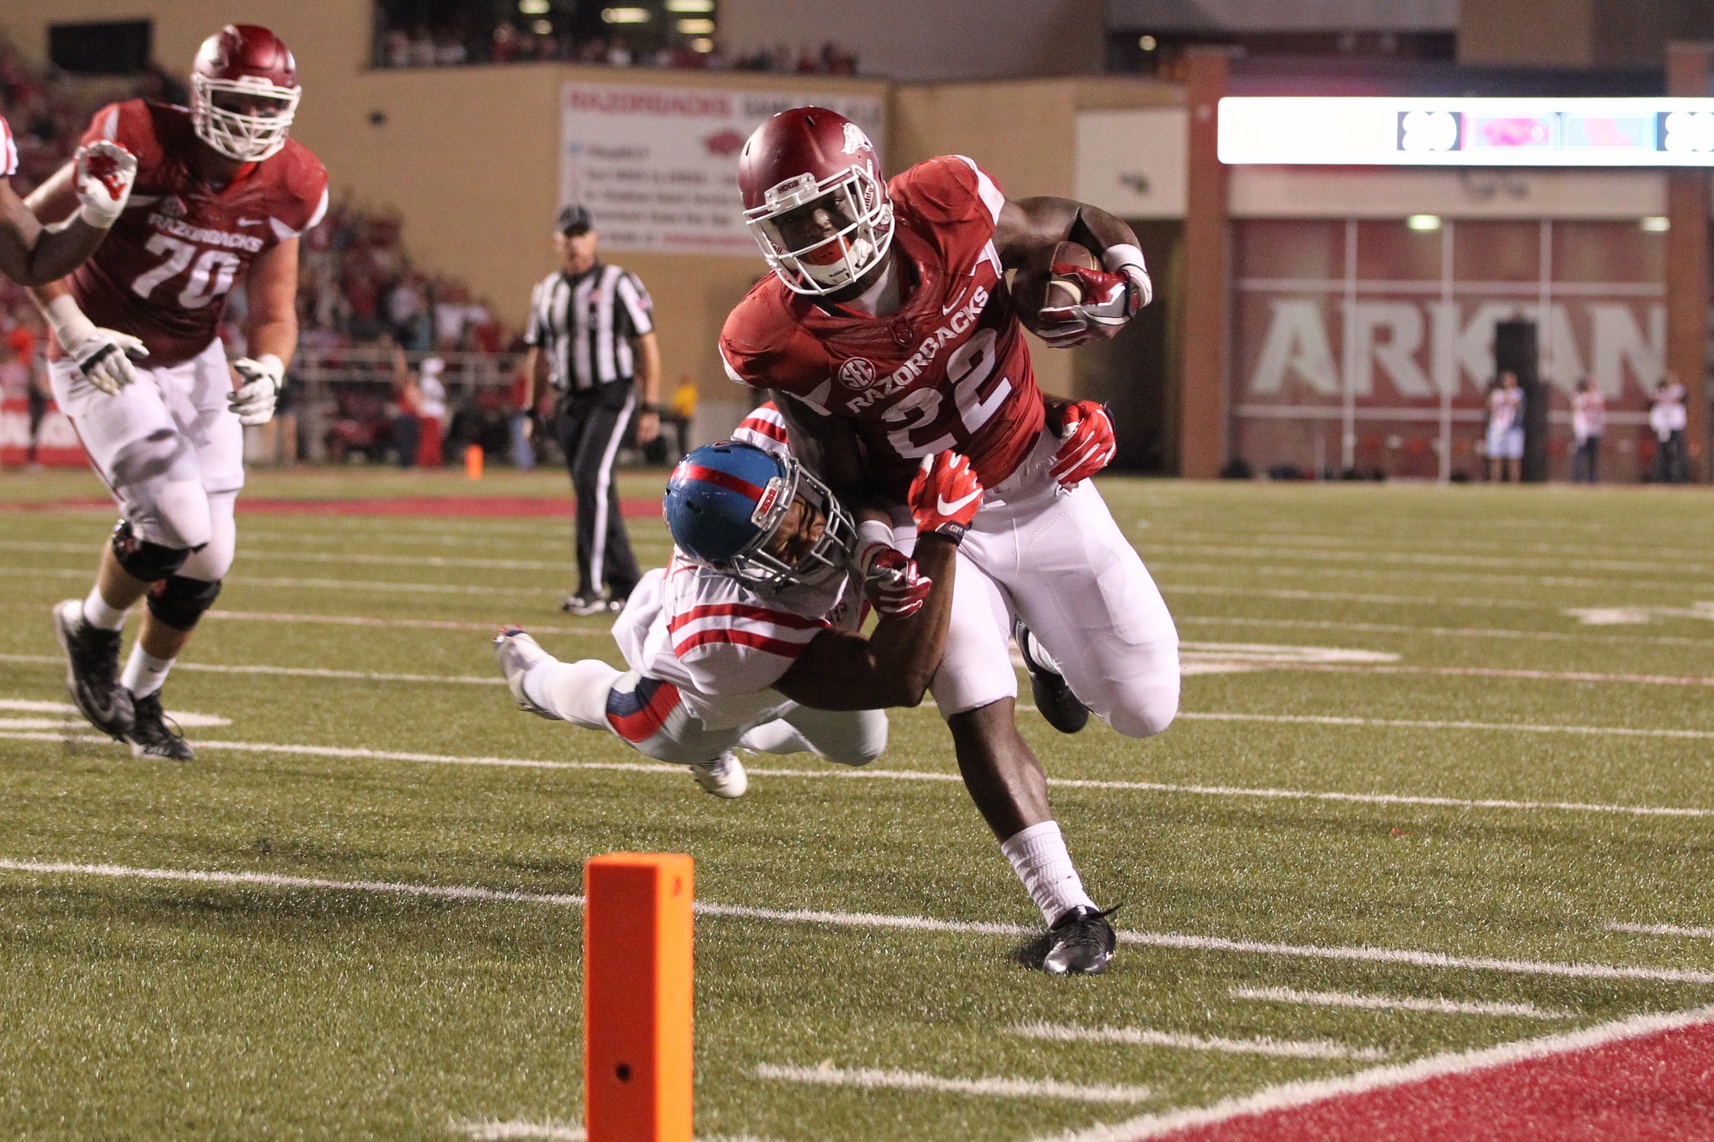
150, 736
92, 670
576, 604
1062, 709
1081, 942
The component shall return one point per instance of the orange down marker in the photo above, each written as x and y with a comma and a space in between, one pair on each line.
637, 997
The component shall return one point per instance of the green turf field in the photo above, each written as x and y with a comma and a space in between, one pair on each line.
353, 1007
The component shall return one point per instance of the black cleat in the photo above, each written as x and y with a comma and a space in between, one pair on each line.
1081, 942
1063, 710
92, 670
150, 736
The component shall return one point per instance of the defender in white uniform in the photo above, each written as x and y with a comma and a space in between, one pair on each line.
748, 639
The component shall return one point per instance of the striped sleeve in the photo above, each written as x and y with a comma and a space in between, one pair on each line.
765, 428
639, 306
8, 150
533, 334
739, 648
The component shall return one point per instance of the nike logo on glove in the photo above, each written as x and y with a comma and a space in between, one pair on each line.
945, 508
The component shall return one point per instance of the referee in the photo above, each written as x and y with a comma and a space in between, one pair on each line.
592, 337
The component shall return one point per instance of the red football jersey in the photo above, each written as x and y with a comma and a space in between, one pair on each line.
163, 272
8, 150
950, 369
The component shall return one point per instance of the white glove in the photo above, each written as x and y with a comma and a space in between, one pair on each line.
105, 172
102, 355
254, 400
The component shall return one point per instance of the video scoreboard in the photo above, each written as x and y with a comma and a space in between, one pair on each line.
1533, 132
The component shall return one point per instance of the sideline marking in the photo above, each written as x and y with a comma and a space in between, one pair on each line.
878, 920
841, 773
1289, 1095
489, 1130
1397, 1003
873, 1078
1663, 930
1142, 1037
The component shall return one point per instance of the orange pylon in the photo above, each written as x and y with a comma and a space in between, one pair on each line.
637, 994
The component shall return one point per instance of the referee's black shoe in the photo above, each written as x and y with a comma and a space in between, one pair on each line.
1062, 709
1081, 942
576, 604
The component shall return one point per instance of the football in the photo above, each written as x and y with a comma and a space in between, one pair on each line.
1035, 286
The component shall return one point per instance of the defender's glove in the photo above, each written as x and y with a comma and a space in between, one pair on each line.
102, 355
944, 495
105, 172
254, 400
1087, 444
893, 585
1111, 297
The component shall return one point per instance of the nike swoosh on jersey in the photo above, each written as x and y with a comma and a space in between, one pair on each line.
954, 304
249, 222
948, 508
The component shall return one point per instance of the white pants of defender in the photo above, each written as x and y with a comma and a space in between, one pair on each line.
1057, 560
581, 693
188, 404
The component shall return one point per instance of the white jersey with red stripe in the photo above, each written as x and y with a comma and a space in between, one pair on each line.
721, 643
764, 428
8, 150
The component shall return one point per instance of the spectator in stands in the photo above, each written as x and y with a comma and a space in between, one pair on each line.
1667, 419
1588, 423
431, 411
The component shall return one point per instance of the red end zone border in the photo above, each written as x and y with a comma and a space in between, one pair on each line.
1649, 1077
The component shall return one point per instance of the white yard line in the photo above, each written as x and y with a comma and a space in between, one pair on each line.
1663, 930
842, 774
883, 921
1586, 637
601, 628
488, 1130
1320, 570
295, 671
1304, 1093
405, 586
874, 1079
1500, 672
1421, 724
1143, 1037
1396, 1003
1171, 589
1413, 558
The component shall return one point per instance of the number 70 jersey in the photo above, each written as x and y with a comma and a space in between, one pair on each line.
950, 369
163, 273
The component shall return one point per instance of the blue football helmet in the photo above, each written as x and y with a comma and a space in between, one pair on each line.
725, 501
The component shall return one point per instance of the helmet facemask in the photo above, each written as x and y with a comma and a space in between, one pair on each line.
825, 559
240, 135
853, 202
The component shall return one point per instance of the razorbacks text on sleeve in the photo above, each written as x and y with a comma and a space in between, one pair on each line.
950, 369
164, 271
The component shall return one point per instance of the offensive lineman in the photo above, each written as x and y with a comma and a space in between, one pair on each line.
749, 637
221, 192
887, 332
32, 254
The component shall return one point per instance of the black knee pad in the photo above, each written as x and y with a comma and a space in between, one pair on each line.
180, 602
150, 562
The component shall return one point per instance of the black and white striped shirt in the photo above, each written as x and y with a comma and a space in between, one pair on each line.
584, 326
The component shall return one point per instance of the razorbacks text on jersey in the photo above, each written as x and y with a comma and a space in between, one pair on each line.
163, 272
8, 150
950, 369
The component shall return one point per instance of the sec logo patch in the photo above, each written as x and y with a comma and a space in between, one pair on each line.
857, 373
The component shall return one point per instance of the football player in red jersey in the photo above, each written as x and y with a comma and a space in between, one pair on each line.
221, 192
887, 332
32, 254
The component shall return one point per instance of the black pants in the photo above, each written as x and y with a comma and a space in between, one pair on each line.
589, 428
1586, 461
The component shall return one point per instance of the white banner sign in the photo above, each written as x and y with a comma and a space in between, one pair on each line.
658, 166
